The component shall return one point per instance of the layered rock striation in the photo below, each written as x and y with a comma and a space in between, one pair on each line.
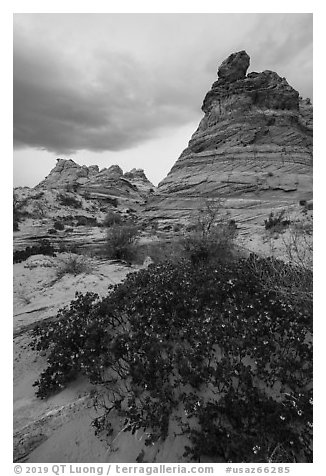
110, 181
254, 144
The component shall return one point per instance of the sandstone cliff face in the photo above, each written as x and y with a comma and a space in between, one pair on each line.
253, 147
110, 181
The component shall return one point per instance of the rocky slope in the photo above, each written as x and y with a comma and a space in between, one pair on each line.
252, 148
79, 197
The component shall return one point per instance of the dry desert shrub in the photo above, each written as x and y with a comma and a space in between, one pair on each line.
298, 244
69, 200
120, 242
73, 264
212, 236
112, 218
277, 223
285, 279
293, 275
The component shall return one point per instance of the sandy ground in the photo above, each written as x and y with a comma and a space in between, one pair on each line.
39, 293
56, 429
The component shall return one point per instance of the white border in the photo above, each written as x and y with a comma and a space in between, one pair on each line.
168, 6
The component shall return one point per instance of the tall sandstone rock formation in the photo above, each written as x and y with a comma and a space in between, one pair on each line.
252, 148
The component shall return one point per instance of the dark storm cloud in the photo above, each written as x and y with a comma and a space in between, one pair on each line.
285, 44
280, 40
109, 83
62, 107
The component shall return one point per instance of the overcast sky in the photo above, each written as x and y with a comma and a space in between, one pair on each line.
127, 89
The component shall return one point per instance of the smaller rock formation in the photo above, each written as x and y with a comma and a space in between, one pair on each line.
138, 178
114, 172
110, 182
65, 173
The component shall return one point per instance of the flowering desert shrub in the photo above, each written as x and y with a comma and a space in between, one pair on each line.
207, 347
